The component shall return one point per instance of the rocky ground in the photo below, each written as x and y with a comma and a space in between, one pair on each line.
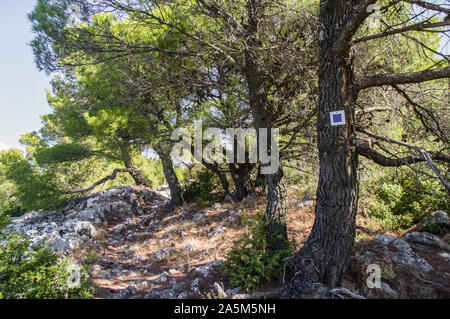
139, 251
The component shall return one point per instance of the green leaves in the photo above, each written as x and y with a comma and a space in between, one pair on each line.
36, 272
250, 263
61, 153
405, 200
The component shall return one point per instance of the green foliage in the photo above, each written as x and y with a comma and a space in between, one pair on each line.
35, 189
405, 200
201, 188
36, 272
61, 153
4, 220
250, 263
8, 202
91, 257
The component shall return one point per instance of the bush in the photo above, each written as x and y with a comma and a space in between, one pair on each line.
201, 188
250, 263
406, 200
37, 272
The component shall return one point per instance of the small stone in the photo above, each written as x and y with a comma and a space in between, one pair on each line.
172, 271
235, 291
216, 231
183, 295
219, 290
163, 253
230, 219
85, 228
131, 289
445, 255
202, 254
198, 216
161, 279
195, 284
207, 268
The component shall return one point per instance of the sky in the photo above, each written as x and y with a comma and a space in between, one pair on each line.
22, 86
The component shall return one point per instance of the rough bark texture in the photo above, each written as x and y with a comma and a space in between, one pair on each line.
222, 175
324, 256
163, 150
136, 174
172, 180
262, 115
241, 177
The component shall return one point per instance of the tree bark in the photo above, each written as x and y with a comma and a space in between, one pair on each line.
172, 180
136, 174
324, 257
276, 209
240, 176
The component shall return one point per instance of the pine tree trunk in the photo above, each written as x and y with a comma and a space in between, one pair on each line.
263, 118
325, 254
136, 174
240, 176
172, 180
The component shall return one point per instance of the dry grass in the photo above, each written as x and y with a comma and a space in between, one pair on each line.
138, 256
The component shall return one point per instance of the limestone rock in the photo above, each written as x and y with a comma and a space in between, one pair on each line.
216, 231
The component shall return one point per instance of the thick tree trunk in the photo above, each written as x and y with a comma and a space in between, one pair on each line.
222, 176
240, 176
136, 174
263, 118
324, 257
172, 180
276, 211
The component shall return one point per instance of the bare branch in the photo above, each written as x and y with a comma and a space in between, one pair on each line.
364, 148
430, 6
402, 78
425, 154
414, 27
344, 40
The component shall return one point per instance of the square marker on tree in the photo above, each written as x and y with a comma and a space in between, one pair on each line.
337, 118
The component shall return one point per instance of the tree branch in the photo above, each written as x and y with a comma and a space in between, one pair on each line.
103, 180
415, 27
425, 154
430, 6
348, 31
402, 78
364, 148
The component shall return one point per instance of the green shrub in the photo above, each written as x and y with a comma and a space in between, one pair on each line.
405, 200
4, 220
250, 263
201, 188
37, 272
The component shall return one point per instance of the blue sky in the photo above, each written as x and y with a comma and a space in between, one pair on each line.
22, 86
